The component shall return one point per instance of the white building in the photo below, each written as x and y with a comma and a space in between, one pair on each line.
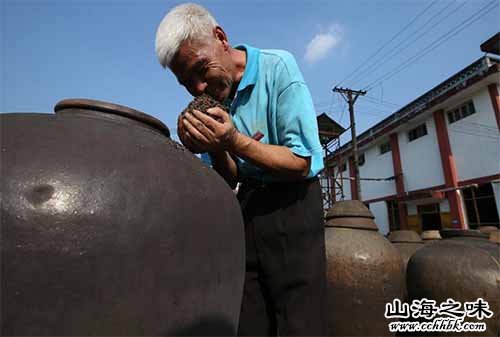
440, 153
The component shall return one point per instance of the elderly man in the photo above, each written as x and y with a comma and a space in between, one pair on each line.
280, 194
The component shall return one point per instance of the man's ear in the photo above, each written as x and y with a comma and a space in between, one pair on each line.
221, 36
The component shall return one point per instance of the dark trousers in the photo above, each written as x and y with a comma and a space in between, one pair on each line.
284, 288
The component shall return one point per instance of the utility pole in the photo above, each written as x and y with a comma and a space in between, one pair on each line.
351, 96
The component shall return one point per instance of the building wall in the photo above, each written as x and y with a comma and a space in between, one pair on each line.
376, 166
475, 140
475, 145
420, 158
379, 210
412, 208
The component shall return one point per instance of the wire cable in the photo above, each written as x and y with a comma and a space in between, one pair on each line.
436, 43
343, 112
380, 102
395, 51
390, 40
482, 125
332, 101
497, 138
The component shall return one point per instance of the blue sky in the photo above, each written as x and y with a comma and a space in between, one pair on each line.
104, 50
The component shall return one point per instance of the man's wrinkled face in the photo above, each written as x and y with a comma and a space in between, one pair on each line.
203, 67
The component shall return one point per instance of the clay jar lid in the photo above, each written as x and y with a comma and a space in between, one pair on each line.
350, 214
430, 235
495, 237
488, 229
112, 109
402, 236
453, 233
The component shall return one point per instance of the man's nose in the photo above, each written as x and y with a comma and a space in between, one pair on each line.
200, 87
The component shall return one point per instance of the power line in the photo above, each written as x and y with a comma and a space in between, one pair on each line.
376, 105
324, 103
331, 103
371, 114
325, 108
388, 42
386, 57
379, 113
477, 130
343, 112
482, 125
381, 102
497, 138
436, 43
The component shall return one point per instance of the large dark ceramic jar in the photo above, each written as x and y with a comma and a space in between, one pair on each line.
464, 266
111, 228
364, 272
407, 242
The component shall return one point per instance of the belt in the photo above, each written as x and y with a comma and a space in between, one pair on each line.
249, 186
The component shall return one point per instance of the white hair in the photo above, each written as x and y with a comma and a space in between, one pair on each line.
183, 22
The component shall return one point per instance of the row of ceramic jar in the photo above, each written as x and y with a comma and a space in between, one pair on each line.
366, 272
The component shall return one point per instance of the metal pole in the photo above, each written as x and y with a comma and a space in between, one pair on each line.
351, 100
354, 145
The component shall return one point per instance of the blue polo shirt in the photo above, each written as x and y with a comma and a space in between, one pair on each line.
273, 98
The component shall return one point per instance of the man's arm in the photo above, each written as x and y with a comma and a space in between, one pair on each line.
219, 136
225, 166
276, 159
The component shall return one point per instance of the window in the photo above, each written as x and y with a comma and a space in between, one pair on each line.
461, 112
393, 212
430, 216
417, 132
385, 147
480, 206
361, 159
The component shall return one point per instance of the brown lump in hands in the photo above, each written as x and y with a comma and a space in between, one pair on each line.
201, 103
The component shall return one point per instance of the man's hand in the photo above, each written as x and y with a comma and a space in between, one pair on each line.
215, 132
186, 139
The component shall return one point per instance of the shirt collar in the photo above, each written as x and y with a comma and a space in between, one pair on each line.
251, 72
